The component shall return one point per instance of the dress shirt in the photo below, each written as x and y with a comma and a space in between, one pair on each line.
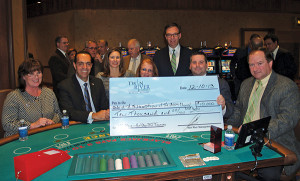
81, 83
264, 82
177, 54
137, 61
274, 53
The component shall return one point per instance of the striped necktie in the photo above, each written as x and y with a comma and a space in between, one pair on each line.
87, 100
253, 103
173, 62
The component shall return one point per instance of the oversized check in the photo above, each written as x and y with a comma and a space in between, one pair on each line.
164, 105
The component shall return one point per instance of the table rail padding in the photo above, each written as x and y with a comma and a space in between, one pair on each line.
34, 131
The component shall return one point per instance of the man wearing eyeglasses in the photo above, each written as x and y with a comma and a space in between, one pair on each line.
82, 95
91, 47
59, 62
173, 60
133, 60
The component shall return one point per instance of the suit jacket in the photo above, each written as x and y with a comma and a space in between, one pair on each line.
281, 101
163, 62
225, 92
284, 64
71, 97
59, 65
127, 60
239, 69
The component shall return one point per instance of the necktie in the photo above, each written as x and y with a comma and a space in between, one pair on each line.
273, 55
133, 68
87, 98
253, 103
173, 62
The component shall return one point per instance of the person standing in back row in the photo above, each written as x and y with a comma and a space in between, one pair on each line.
173, 60
284, 63
59, 62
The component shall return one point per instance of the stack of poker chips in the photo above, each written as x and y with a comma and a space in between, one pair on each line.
119, 161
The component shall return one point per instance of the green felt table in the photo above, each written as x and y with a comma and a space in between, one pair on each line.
84, 138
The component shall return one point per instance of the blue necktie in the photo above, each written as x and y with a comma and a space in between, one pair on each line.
87, 98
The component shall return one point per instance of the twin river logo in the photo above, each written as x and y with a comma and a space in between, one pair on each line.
138, 87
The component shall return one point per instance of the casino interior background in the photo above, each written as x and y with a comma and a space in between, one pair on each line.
29, 26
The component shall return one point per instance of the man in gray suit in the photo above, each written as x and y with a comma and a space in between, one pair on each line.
279, 98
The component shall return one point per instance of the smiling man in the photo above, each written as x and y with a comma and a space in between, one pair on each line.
269, 94
82, 95
173, 60
198, 66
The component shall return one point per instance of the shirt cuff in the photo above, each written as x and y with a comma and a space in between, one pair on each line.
224, 111
90, 118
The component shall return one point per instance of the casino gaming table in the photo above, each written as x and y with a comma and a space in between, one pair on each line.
89, 138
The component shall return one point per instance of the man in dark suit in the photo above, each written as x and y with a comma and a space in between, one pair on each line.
83, 96
284, 63
269, 94
91, 47
239, 65
173, 59
133, 60
102, 53
59, 62
198, 66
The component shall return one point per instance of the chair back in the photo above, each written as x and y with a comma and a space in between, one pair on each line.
3, 94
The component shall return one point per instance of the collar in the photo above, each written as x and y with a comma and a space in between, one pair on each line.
177, 49
138, 57
81, 82
275, 51
64, 53
266, 80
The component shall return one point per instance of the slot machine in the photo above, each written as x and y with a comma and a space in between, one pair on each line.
212, 61
149, 50
123, 50
226, 58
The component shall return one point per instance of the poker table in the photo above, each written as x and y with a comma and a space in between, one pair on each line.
88, 138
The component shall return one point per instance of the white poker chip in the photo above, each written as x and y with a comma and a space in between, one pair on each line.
205, 159
211, 158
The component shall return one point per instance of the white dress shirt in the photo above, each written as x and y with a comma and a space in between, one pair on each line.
81, 83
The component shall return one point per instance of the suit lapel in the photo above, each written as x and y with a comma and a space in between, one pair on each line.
63, 57
181, 63
270, 87
79, 92
93, 91
167, 61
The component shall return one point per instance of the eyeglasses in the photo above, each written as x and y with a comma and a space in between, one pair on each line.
66, 43
92, 48
88, 64
147, 70
32, 74
172, 35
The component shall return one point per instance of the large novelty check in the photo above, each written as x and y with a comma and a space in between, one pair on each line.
164, 105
